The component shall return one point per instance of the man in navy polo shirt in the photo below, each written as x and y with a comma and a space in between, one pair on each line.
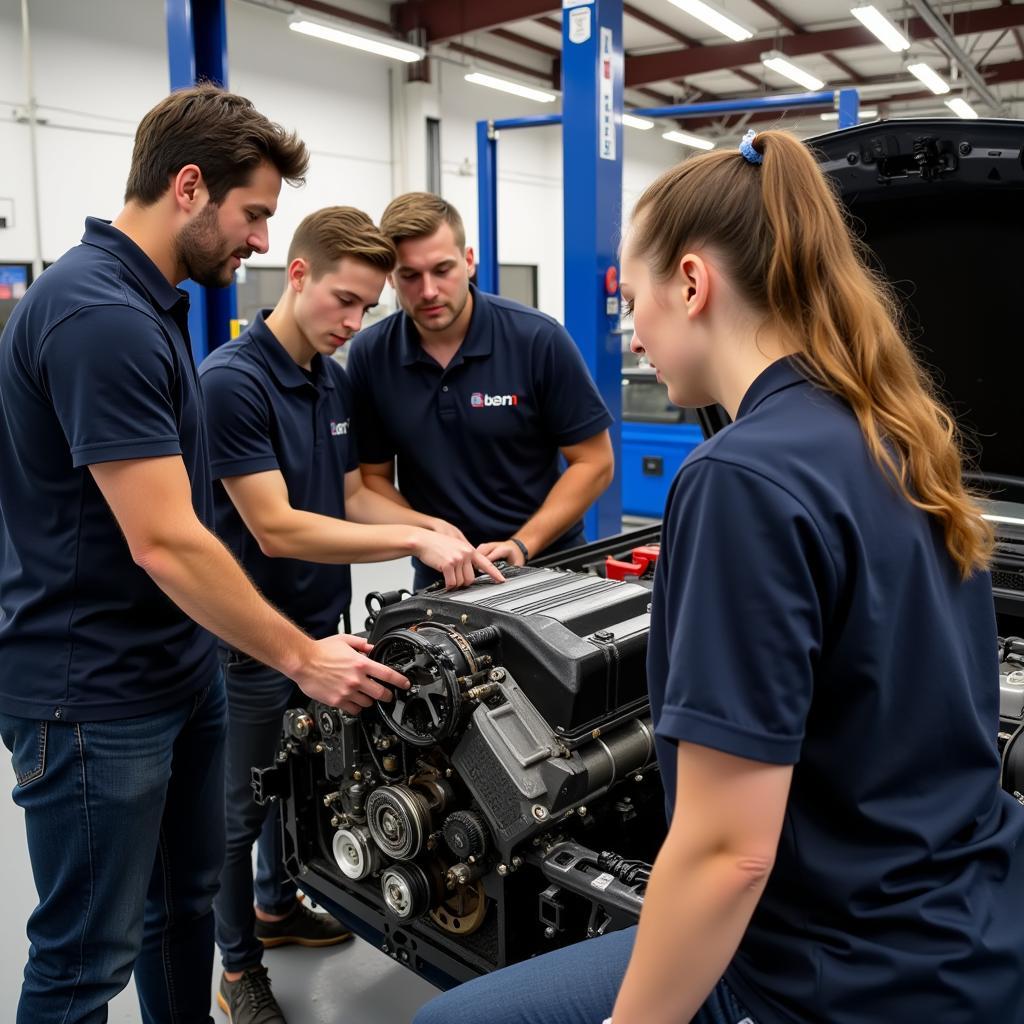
111, 701
475, 397
278, 409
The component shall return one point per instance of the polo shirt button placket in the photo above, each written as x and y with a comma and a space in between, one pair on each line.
446, 401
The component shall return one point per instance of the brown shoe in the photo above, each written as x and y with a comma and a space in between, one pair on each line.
302, 927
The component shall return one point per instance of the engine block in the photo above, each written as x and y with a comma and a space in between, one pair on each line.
509, 801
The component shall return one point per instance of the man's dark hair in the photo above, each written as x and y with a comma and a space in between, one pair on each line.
223, 134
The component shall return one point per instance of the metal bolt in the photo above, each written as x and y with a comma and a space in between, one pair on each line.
581, 811
517, 863
430, 613
965, 148
282, 756
357, 776
852, 158
318, 749
503, 870
335, 821
448, 773
594, 735
497, 675
540, 812
638, 777
463, 619
303, 870
549, 932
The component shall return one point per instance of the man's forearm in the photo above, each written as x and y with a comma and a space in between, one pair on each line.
384, 487
696, 909
311, 537
198, 573
577, 488
371, 506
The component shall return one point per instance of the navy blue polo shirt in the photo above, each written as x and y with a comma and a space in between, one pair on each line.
95, 366
477, 442
805, 613
265, 413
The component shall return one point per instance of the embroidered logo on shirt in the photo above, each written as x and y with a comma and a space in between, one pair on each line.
339, 429
478, 400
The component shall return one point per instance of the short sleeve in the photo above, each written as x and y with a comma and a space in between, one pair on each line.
373, 440
571, 407
238, 423
109, 373
742, 595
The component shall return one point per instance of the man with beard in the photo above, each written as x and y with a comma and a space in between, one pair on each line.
475, 397
112, 585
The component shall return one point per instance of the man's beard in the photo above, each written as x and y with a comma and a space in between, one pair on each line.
201, 250
436, 326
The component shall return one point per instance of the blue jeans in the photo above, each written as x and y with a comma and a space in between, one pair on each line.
575, 985
257, 698
125, 833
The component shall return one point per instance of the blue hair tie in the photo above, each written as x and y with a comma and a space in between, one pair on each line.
750, 154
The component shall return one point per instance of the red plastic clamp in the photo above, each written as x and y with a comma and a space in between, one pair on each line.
643, 560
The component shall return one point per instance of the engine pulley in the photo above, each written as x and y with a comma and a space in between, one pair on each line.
399, 821
433, 657
407, 891
466, 834
355, 853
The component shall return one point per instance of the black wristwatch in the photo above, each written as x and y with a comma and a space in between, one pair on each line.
522, 547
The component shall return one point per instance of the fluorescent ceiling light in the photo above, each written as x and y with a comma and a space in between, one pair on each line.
875, 21
515, 88
774, 61
685, 139
923, 73
637, 122
370, 44
962, 108
718, 21
865, 114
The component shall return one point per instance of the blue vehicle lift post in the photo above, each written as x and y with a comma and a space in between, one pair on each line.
197, 49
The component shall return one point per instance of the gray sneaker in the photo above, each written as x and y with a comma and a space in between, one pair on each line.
249, 1000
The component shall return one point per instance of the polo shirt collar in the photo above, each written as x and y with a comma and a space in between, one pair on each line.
479, 340
284, 369
103, 235
783, 373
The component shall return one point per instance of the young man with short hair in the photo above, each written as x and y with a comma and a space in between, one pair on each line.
475, 397
292, 506
112, 585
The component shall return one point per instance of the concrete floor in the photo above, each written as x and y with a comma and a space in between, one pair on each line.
353, 983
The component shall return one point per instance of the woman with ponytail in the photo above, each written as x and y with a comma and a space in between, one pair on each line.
822, 659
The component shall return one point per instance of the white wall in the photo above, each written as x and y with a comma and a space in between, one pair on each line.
100, 65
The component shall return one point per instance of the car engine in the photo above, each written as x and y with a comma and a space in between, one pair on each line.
507, 803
